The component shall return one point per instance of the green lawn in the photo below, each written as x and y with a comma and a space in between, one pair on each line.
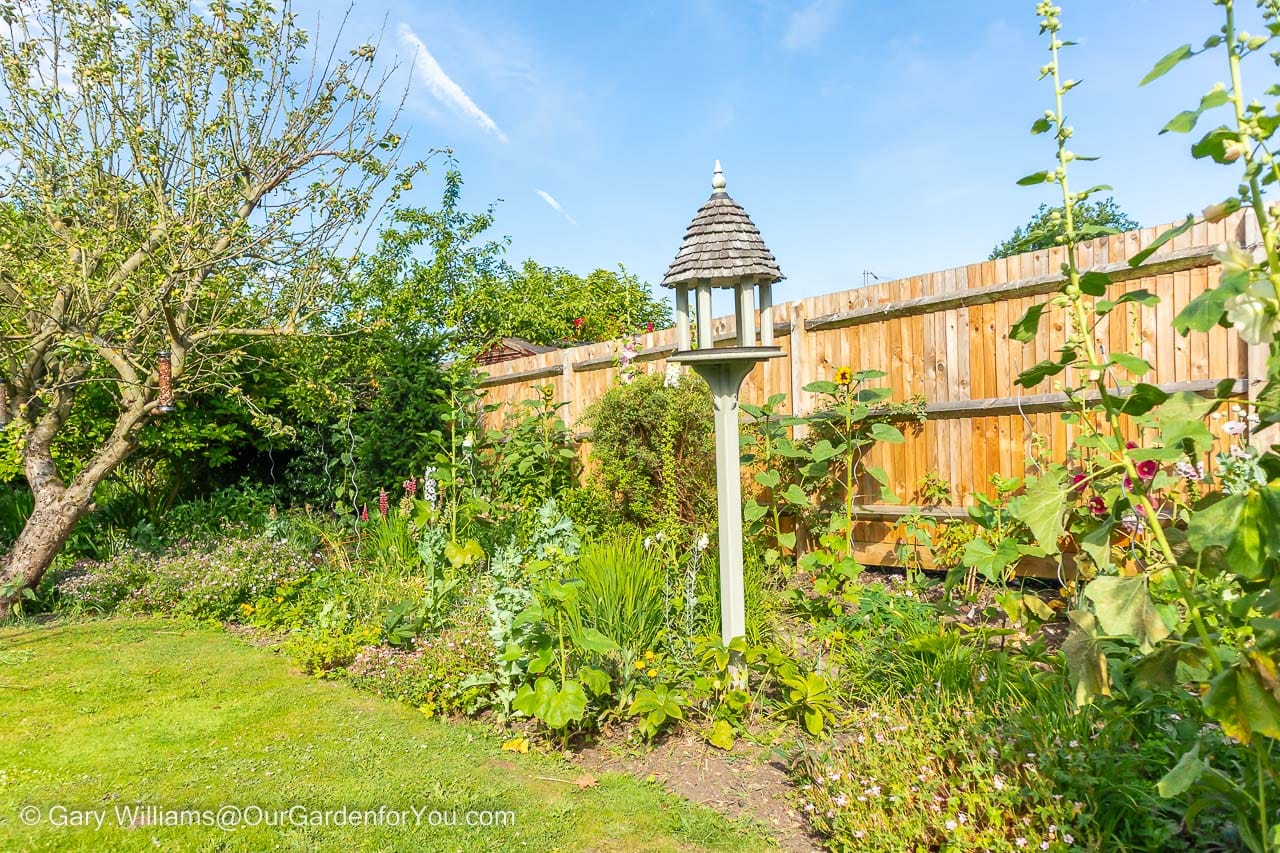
122, 712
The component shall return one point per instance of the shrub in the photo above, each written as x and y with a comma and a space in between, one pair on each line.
653, 446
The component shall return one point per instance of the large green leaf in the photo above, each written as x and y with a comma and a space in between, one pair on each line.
990, 562
1181, 419
1183, 775
1242, 704
1041, 509
886, 433
1086, 665
1025, 330
1155, 244
1125, 609
592, 640
1097, 544
1240, 531
768, 479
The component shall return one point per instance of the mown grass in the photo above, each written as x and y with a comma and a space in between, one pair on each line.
117, 712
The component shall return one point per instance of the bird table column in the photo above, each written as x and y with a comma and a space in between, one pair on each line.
682, 318
705, 341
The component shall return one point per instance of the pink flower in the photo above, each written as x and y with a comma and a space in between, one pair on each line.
364, 513
579, 322
410, 487
1079, 482
1097, 506
1148, 468
383, 502
1131, 445
1234, 427
648, 327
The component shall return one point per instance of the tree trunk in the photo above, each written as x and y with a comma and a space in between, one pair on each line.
58, 506
54, 517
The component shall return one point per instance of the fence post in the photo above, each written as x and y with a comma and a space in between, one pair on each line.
566, 372
799, 358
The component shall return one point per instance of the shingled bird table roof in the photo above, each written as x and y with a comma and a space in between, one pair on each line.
722, 246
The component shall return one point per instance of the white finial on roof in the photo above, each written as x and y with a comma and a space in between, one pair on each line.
717, 180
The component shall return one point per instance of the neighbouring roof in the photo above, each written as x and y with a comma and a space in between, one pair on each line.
722, 245
505, 349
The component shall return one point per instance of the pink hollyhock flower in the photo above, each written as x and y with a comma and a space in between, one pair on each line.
1079, 482
648, 327
1148, 468
1097, 506
1131, 445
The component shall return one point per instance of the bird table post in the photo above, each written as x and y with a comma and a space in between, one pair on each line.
723, 249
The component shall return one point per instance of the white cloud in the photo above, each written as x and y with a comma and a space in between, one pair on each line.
428, 71
808, 25
555, 205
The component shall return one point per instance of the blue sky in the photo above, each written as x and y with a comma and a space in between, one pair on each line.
857, 134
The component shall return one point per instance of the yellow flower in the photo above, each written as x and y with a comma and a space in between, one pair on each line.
653, 673
639, 664
844, 375
649, 656
517, 744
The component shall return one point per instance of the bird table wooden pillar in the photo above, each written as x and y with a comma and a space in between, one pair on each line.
723, 249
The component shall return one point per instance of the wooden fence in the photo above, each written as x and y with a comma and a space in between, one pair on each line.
945, 335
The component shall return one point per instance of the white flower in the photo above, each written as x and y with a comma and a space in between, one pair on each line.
951, 825
1044, 845
1068, 838
1020, 841
648, 542
701, 544
1234, 427
1255, 318
998, 783
671, 376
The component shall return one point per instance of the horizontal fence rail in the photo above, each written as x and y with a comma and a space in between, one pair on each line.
944, 336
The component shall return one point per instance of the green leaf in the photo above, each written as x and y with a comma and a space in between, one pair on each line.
886, 433
822, 386
566, 705
787, 540
598, 681
1041, 125
1142, 297
1242, 704
1133, 364
794, 494
1167, 62
1041, 508
460, 556
1125, 609
1172, 233
1185, 121
1141, 399
1086, 665
592, 640
990, 562
1213, 145
754, 511
1246, 527
722, 735
1183, 775
878, 474
768, 479
813, 721
1097, 544
823, 450
1205, 311
1181, 420
1094, 283
1024, 331
1033, 179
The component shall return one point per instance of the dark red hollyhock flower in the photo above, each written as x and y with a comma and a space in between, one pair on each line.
1079, 482
1097, 506
1148, 468
1131, 445
648, 327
